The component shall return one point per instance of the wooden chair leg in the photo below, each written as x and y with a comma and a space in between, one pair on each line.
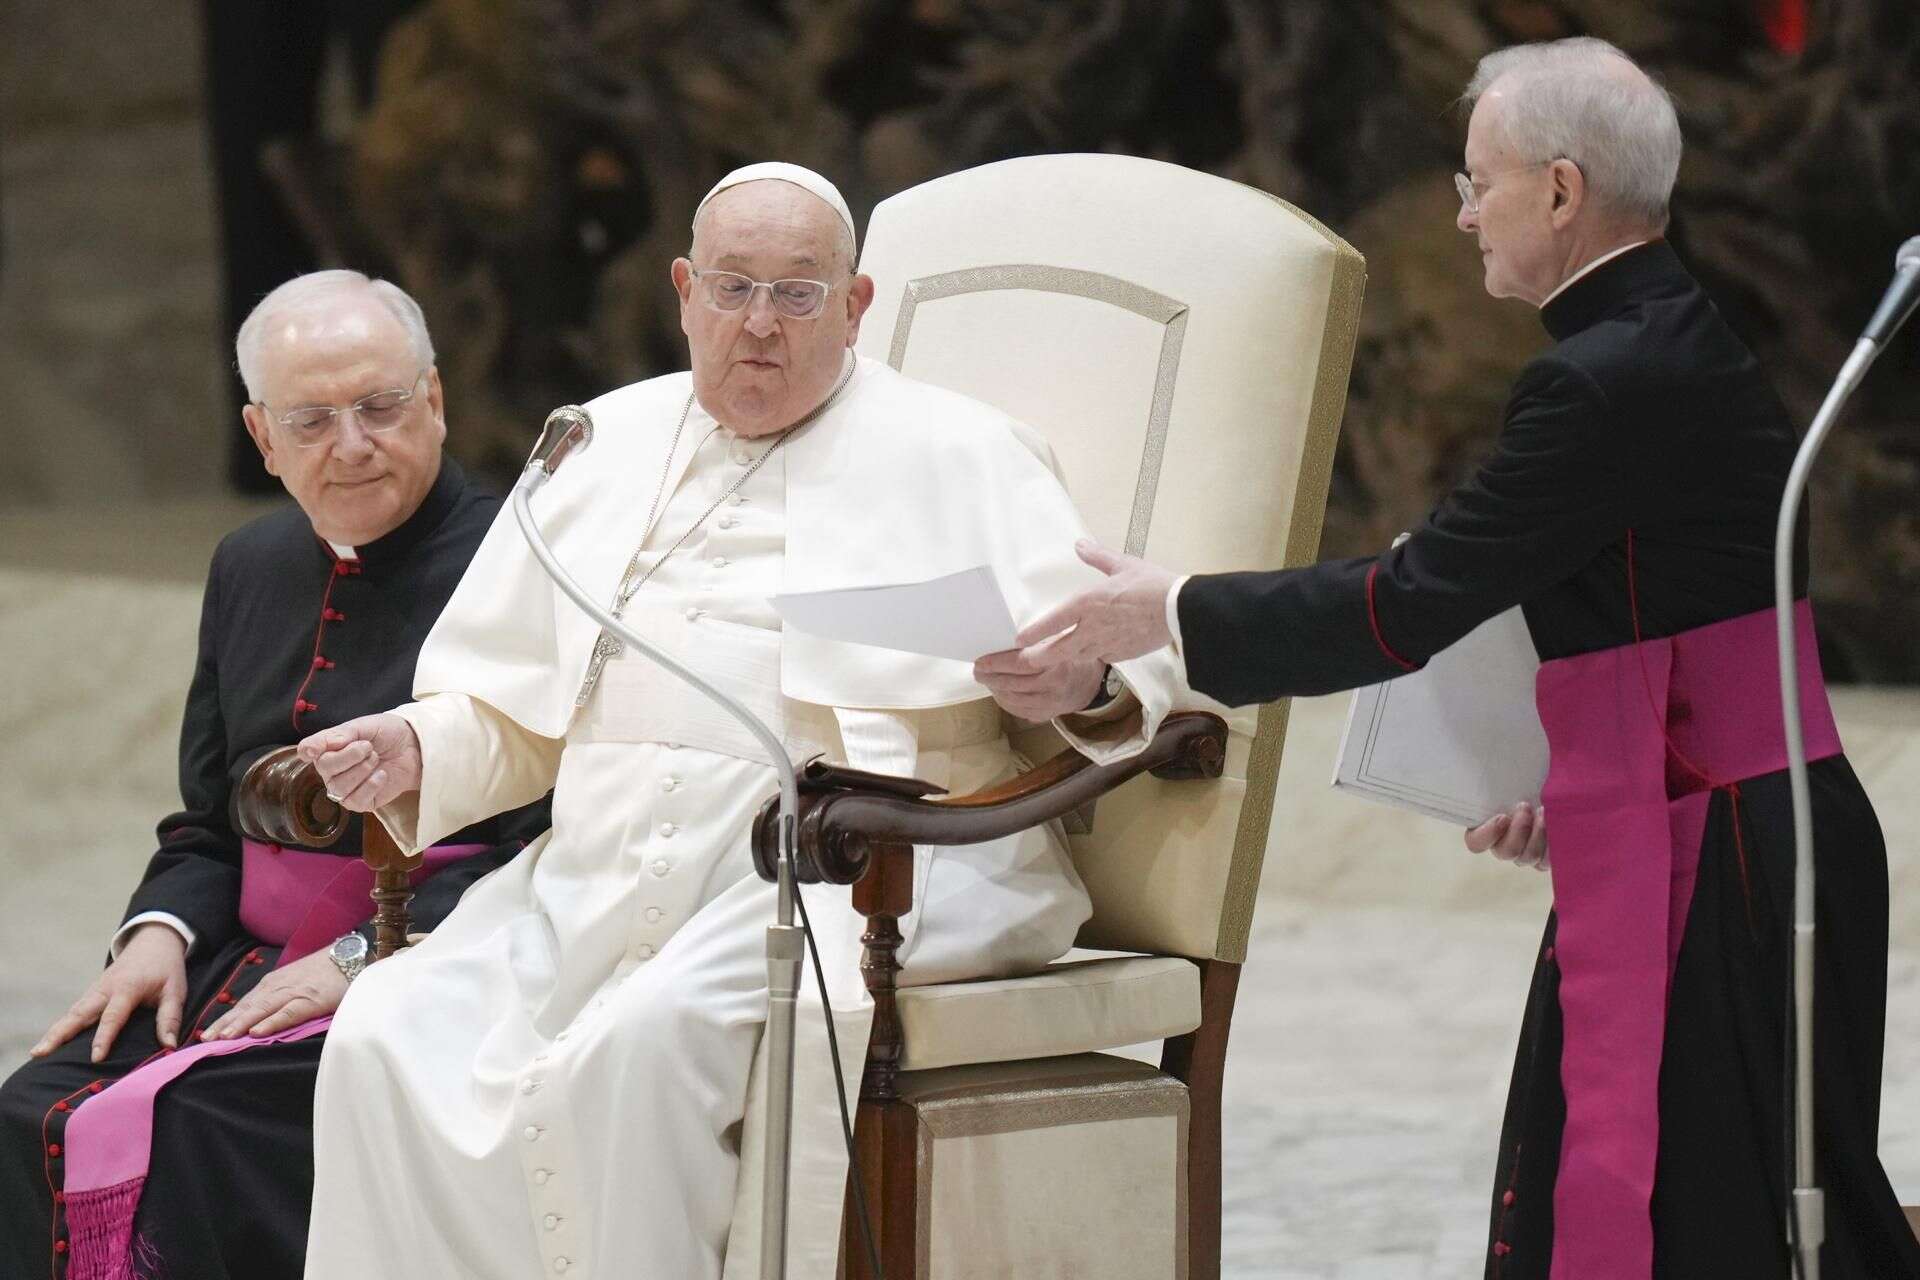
886, 1137
1913, 1219
1199, 1059
391, 890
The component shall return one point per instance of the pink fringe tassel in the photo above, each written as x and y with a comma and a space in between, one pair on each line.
100, 1231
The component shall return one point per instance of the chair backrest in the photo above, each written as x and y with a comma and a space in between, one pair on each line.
1183, 343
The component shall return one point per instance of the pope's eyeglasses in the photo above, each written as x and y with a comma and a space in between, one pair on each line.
312, 425
730, 291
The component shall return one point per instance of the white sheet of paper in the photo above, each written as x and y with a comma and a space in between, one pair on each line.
962, 616
1459, 739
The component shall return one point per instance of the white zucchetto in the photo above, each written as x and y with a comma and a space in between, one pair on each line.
779, 171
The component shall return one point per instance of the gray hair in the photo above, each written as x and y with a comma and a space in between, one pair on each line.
303, 292
1584, 100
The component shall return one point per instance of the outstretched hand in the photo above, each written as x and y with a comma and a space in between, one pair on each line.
1121, 618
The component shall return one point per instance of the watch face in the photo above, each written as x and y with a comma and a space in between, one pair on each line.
349, 948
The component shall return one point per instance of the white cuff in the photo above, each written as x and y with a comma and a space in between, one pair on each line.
1173, 616
166, 918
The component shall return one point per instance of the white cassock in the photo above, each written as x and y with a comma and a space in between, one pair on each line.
556, 1082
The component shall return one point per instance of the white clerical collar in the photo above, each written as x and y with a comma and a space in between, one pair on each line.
1602, 260
343, 552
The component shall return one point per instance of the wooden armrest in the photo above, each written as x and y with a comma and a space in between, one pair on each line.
281, 800
846, 815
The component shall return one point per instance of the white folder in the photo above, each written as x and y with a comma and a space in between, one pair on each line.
1458, 739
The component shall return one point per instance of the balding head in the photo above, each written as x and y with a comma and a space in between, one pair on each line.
1583, 100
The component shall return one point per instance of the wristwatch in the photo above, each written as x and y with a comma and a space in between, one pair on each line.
1111, 687
349, 954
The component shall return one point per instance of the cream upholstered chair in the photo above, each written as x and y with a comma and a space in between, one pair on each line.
1183, 343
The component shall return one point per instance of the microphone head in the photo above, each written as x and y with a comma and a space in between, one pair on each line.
1908, 255
569, 428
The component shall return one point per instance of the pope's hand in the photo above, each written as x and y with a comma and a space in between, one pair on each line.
367, 762
1518, 836
1122, 618
308, 988
1038, 690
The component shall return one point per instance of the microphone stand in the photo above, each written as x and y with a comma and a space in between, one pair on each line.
1809, 1201
569, 428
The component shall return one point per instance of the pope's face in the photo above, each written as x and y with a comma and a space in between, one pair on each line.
355, 485
1514, 225
756, 369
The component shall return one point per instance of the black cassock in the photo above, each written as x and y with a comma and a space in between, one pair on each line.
1647, 415
293, 640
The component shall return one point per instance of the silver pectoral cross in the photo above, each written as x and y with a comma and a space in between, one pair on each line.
607, 646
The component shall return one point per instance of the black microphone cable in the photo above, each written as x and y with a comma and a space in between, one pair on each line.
840, 1091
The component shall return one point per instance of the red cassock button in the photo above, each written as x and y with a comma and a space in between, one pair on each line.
225, 997
59, 1246
1501, 1248
1507, 1199
96, 1086
53, 1148
61, 1106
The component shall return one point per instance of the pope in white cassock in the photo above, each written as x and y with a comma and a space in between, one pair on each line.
557, 1081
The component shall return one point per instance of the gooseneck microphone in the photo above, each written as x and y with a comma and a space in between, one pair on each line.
569, 430
1806, 1214
1901, 296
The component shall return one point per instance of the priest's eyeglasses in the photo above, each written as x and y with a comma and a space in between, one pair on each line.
730, 291
314, 424
1471, 189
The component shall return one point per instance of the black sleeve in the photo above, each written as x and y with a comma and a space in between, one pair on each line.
1553, 495
195, 875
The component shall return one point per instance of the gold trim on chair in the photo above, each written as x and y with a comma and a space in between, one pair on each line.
1099, 287
1338, 337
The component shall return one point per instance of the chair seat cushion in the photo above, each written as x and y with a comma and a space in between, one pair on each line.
1077, 1007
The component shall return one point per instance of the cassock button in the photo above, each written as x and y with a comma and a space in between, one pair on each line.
530, 1086
550, 1221
53, 1149
669, 784
541, 1175
653, 915
735, 500
661, 866
742, 454
61, 1106
531, 1133
667, 829
693, 614
561, 1264
1501, 1248
719, 562
1507, 1199
644, 951
727, 522
59, 1246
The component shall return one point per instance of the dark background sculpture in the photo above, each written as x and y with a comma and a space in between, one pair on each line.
526, 168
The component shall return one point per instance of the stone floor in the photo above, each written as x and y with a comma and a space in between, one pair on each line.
1376, 1015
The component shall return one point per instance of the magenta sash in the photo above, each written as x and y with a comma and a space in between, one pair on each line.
1640, 736
299, 900
296, 899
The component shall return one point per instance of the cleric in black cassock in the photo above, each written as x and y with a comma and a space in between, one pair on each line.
297, 634
1629, 509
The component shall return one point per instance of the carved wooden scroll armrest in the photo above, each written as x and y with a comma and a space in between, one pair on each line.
860, 828
281, 800
845, 813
